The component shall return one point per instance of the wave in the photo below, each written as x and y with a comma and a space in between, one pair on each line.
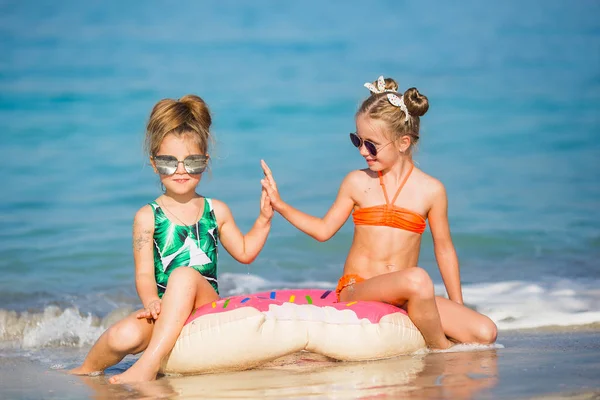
510, 304
526, 304
53, 327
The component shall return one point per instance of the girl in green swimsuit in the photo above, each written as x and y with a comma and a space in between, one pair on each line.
177, 230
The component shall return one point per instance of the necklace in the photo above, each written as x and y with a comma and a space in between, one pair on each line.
183, 223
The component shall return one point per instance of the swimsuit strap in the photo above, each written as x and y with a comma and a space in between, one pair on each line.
387, 201
399, 188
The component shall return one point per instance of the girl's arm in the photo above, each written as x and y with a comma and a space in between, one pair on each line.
143, 256
321, 229
445, 254
244, 248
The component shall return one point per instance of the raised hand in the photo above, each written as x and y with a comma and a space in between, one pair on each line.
270, 186
151, 311
266, 210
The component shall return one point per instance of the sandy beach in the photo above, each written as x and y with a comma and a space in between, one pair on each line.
547, 363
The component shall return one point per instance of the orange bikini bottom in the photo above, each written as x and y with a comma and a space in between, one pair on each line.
345, 281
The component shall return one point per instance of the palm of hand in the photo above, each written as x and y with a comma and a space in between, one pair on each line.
270, 186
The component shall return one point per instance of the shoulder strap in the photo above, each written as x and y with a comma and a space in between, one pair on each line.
155, 210
387, 201
208, 202
402, 184
154, 206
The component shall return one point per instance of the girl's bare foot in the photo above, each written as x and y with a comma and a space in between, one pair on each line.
135, 374
445, 346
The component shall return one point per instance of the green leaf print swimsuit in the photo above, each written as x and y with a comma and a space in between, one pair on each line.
185, 246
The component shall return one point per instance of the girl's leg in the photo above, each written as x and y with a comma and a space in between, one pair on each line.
411, 286
127, 336
186, 290
465, 325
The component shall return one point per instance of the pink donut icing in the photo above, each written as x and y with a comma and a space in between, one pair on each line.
371, 310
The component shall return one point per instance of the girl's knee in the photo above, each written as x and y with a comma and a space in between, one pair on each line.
487, 332
418, 283
186, 282
125, 337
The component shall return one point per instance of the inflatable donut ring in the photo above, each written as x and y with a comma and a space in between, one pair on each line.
242, 332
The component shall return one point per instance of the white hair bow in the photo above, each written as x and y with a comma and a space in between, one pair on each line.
393, 98
398, 101
380, 86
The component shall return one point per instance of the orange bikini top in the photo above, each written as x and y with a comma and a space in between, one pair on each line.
389, 214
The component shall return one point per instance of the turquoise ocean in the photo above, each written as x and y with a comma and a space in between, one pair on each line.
512, 131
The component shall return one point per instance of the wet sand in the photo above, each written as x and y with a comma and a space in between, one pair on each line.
533, 364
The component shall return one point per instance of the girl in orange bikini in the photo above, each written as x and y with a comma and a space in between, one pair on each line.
382, 261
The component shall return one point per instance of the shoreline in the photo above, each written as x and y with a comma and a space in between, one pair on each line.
531, 364
591, 327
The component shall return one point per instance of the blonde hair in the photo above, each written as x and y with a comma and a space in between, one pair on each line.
187, 116
377, 106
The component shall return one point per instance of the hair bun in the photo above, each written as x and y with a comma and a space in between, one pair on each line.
391, 84
198, 108
416, 103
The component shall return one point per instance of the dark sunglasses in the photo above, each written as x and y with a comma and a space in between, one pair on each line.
167, 165
370, 146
